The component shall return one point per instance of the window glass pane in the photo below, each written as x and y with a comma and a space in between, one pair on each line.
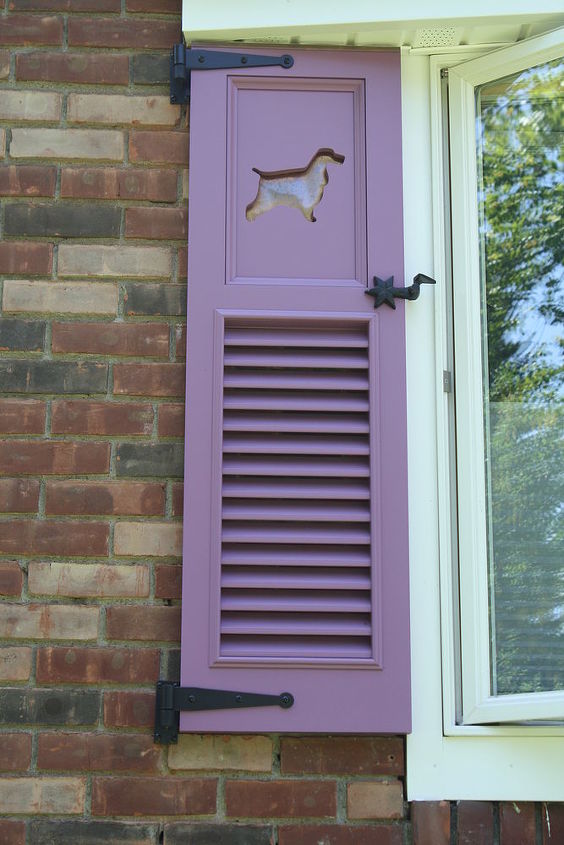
520, 138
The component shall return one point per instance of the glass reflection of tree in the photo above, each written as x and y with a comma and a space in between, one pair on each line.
521, 135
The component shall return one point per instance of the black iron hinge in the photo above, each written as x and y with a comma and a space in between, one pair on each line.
172, 698
183, 60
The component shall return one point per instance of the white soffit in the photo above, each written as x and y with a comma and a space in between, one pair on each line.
429, 27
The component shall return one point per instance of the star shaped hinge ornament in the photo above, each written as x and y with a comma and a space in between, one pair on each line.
385, 292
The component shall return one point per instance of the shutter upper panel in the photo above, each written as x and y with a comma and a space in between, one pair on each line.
295, 536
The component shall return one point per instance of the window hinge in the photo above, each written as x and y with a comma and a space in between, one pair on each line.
444, 73
172, 698
447, 381
183, 60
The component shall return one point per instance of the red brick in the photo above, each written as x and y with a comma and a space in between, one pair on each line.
149, 379
66, 5
80, 416
168, 581
111, 183
157, 223
178, 498
381, 834
129, 709
166, 147
16, 752
342, 755
131, 622
26, 258
182, 264
19, 495
164, 7
55, 457
171, 420
475, 823
11, 578
431, 822
98, 752
22, 416
12, 833
517, 824
124, 33
97, 665
25, 29
49, 537
280, 798
180, 341
552, 823
81, 68
27, 180
105, 497
153, 796
134, 339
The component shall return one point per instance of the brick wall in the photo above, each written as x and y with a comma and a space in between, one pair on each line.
92, 275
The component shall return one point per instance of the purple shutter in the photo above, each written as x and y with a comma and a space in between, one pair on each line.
295, 535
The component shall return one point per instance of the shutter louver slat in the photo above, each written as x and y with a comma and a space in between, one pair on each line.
296, 535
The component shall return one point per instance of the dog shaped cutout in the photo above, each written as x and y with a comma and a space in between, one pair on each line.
301, 188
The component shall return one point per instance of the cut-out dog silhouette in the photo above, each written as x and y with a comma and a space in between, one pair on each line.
301, 188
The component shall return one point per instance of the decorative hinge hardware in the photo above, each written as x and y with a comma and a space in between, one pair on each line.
183, 60
172, 698
384, 290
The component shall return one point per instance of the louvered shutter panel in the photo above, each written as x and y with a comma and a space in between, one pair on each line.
295, 535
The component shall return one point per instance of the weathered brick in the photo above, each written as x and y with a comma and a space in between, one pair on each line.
168, 581
150, 69
171, 7
96, 752
66, 5
16, 752
88, 580
49, 537
381, 834
111, 183
180, 338
153, 796
182, 263
129, 498
12, 832
165, 147
336, 755
57, 457
21, 706
95, 144
222, 753
149, 379
129, 709
171, 420
22, 416
141, 539
66, 220
184, 833
5, 66
141, 459
25, 30
38, 106
15, 663
430, 822
20, 376
123, 33
21, 335
25, 257
122, 109
86, 832
178, 499
119, 260
60, 298
27, 180
375, 800
475, 823
19, 495
134, 339
97, 665
517, 823
157, 223
48, 622
80, 68
280, 798
552, 815
82, 416
130, 622
42, 795
156, 300
170, 665
11, 578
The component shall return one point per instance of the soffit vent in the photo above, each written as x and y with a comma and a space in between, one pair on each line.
443, 36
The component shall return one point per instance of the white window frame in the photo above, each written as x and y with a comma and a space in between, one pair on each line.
445, 759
